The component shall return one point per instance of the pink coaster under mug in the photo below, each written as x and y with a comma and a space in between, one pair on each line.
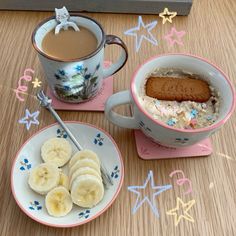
148, 150
95, 104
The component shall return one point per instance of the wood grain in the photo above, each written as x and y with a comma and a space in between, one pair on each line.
210, 32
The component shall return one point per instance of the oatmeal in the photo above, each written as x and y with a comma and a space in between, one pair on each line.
185, 114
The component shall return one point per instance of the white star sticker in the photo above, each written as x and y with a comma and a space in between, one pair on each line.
148, 35
27, 119
156, 190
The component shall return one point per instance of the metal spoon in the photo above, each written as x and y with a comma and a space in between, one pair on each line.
46, 102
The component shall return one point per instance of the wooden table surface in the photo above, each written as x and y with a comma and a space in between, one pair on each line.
210, 33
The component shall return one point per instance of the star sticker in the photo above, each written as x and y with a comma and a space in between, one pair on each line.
170, 37
166, 15
36, 83
147, 35
156, 190
186, 207
27, 119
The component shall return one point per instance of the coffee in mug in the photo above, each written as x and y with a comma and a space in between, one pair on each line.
69, 44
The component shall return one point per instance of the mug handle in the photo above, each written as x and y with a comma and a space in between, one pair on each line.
123, 97
112, 39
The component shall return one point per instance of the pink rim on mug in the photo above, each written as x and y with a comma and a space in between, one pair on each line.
95, 216
214, 126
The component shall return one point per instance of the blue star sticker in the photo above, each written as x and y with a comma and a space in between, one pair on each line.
148, 36
156, 190
27, 120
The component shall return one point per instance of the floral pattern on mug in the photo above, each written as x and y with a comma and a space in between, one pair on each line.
77, 85
181, 140
142, 125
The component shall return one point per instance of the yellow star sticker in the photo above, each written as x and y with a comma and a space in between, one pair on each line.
36, 83
167, 16
185, 207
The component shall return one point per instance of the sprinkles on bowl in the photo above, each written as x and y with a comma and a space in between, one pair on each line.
183, 115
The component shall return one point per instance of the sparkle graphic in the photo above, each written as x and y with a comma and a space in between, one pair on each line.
175, 37
147, 35
166, 15
29, 119
36, 83
185, 207
150, 198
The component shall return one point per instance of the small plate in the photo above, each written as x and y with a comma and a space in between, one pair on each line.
28, 157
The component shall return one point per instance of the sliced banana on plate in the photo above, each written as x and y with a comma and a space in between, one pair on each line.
84, 179
84, 171
87, 191
58, 202
44, 177
84, 154
84, 163
64, 180
56, 150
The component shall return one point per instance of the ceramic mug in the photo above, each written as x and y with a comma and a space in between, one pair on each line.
157, 130
77, 80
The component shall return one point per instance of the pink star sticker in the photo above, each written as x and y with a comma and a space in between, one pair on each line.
175, 37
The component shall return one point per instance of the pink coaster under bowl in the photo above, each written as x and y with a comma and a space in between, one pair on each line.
148, 150
95, 104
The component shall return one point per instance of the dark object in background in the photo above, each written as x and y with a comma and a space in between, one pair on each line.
182, 7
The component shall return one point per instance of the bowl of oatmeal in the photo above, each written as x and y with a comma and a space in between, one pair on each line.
177, 109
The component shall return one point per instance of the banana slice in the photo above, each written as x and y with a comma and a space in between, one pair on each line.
84, 163
64, 181
58, 202
87, 191
84, 154
84, 171
56, 150
44, 177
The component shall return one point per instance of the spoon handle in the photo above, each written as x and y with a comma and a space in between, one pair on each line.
57, 117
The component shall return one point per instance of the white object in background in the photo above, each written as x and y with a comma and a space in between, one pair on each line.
63, 17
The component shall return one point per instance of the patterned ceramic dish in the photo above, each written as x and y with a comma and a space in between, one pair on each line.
28, 156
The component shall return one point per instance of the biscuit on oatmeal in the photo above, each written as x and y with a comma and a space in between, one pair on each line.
178, 89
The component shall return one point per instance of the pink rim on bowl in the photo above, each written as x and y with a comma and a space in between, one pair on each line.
214, 126
90, 219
